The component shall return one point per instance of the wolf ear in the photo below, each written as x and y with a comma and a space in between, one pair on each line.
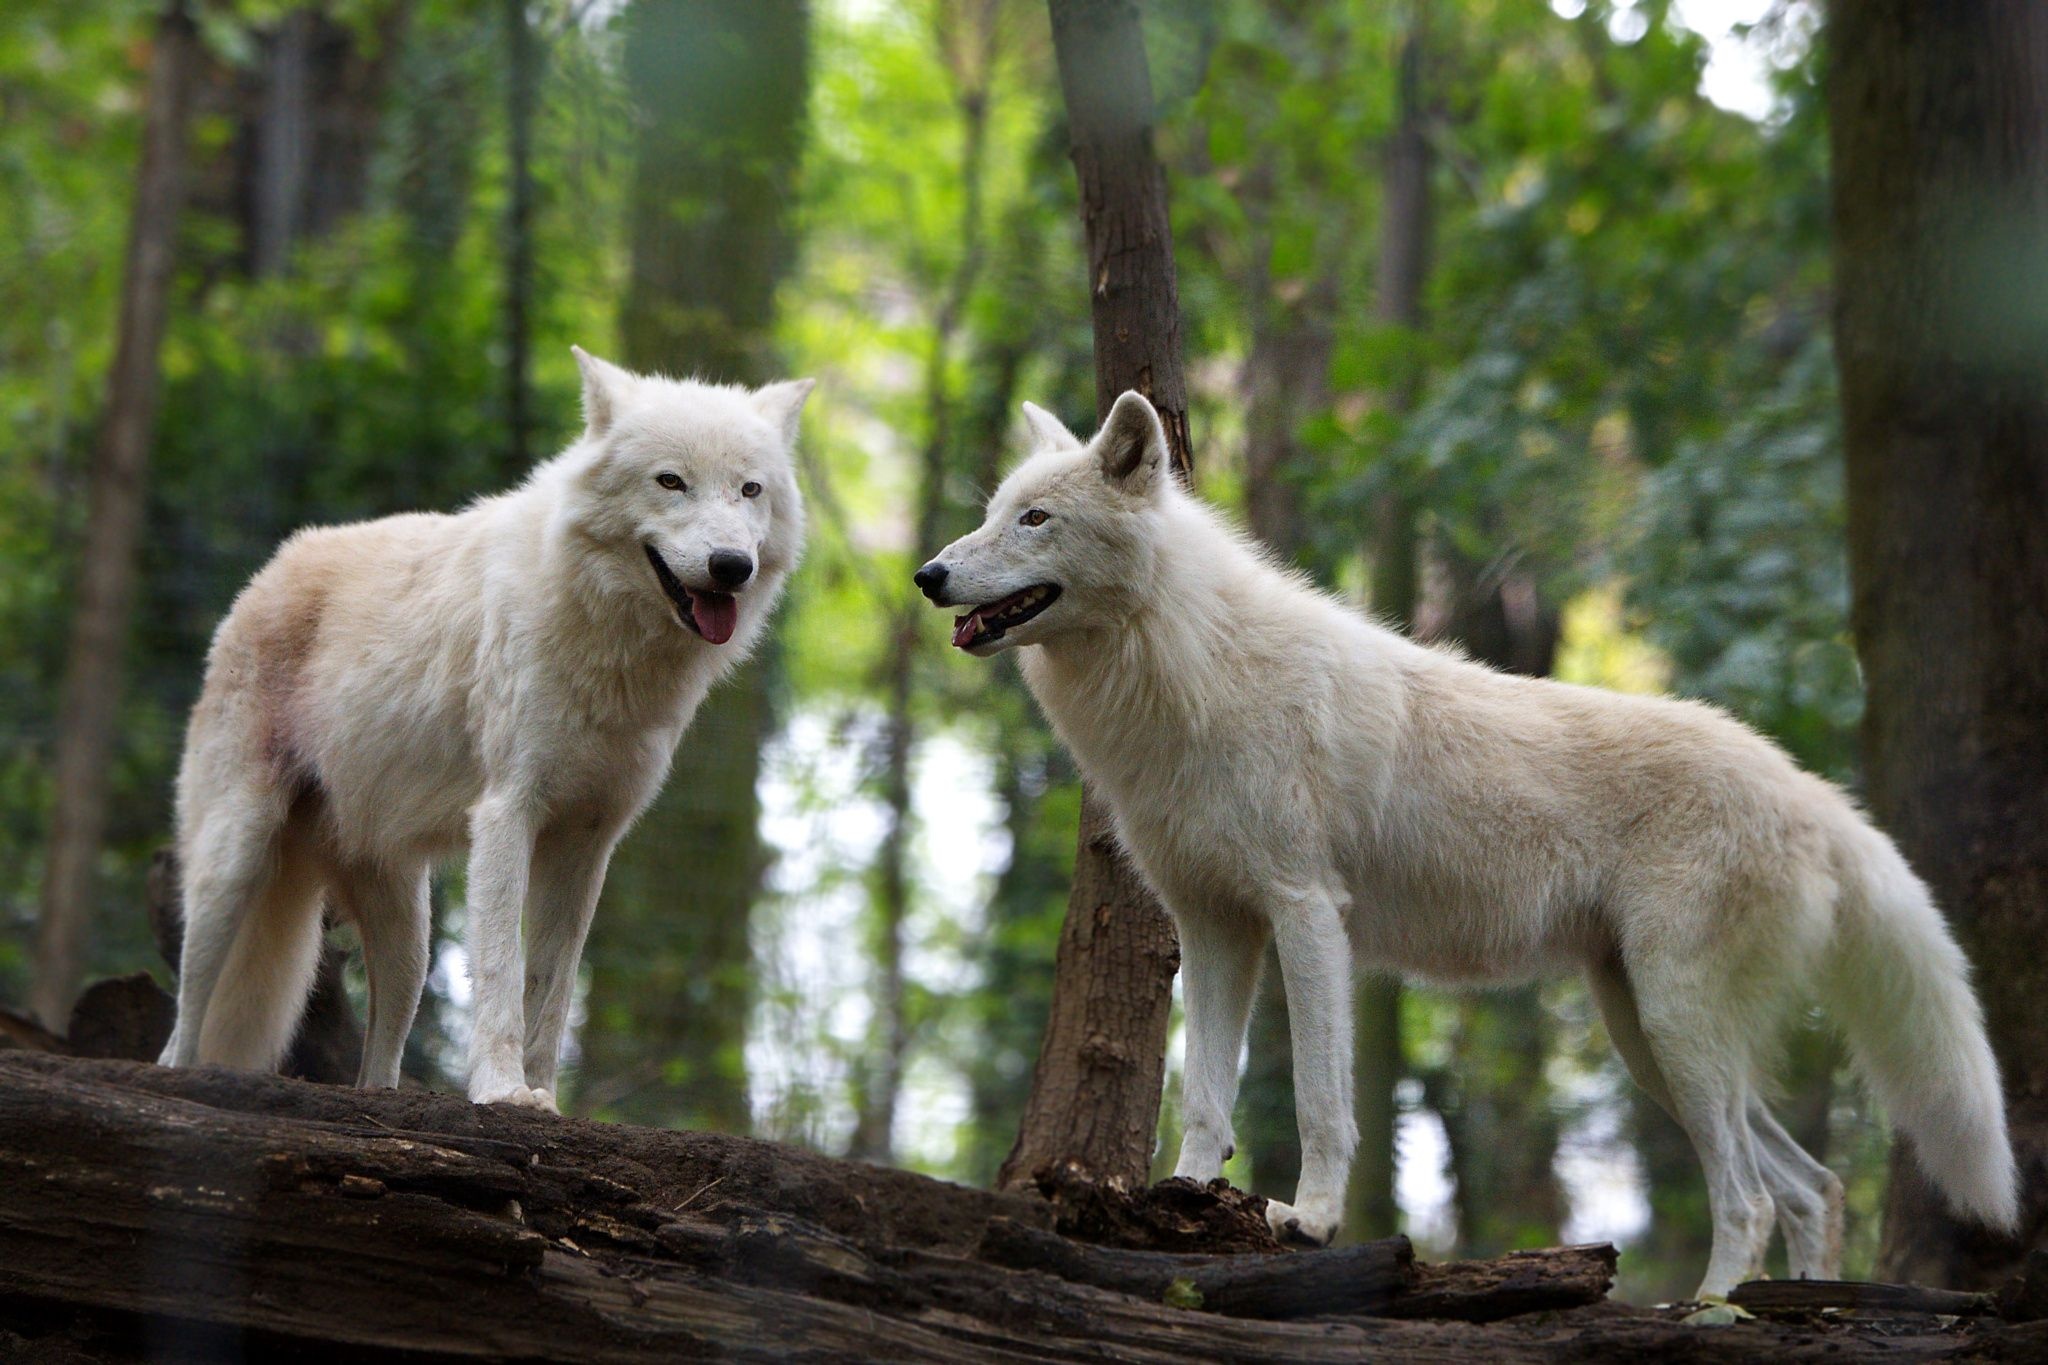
1048, 430
1132, 444
782, 403
604, 389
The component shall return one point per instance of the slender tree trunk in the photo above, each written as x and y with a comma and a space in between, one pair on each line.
522, 89
1407, 224
1094, 1106
115, 492
719, 89
1939, 126
1015, 955
970, 52
284, 144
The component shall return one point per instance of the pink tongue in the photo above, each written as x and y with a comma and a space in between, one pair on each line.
717, 613
965, 629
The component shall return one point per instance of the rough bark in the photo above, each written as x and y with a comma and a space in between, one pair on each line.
115, 482
1939, 128
719, 90
1094, 1105
208, 1215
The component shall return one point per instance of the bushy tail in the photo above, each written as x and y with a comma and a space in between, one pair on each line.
1899, 988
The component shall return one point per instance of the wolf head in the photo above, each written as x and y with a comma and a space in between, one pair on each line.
1068, 543
692, 486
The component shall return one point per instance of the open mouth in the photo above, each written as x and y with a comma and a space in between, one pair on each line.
987, 624
713, 615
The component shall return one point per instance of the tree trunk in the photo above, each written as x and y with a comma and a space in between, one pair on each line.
1407, 225
107, 559
522, 90
969, 55
719, 89
1939, 126
284, 144
1094, 1105
1016, 945
310, 126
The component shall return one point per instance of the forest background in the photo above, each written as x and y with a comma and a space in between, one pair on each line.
1507, 320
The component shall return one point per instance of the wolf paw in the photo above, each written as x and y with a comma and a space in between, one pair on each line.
526, 1097
1295, 1228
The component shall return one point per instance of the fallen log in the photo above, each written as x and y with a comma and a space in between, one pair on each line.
151, 1214
1507, 1286
1359, 1279
1811, 1296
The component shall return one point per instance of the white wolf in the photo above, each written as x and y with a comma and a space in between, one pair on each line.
1280, 767
514, 677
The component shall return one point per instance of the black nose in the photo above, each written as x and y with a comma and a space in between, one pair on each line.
730, 568
930, 579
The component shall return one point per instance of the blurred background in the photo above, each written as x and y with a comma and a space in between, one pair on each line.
1505, 319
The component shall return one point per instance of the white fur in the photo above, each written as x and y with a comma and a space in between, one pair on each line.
512, 678
1282, 768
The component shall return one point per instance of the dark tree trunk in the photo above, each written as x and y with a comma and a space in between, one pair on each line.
1939, 119
1094, 1105
522, 90
1407, 225
718, 87
107, 559
309, 127
284, 144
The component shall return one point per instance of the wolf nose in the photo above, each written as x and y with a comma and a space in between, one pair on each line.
930, 579
730, 568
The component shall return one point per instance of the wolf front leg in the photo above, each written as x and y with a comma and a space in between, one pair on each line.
568, 873
1220, 958
501, 841
1315, 967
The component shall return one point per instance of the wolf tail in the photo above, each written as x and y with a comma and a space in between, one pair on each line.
1899, 988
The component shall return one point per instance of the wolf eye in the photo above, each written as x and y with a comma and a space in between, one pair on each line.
750, 489
673, 482
1037, 516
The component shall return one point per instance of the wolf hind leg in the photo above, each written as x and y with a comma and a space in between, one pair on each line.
263, 979
1694, 1034
391, 911
1314, 949
1808, 1197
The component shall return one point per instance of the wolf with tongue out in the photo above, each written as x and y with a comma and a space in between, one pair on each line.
512, 679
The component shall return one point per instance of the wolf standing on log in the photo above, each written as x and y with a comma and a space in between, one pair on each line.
1280, 768
514, 678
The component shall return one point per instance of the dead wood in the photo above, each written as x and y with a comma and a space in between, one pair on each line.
1789, 1296
1173, 1215
148, 1214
